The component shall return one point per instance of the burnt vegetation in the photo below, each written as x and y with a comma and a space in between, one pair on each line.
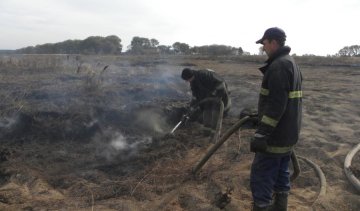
90, 131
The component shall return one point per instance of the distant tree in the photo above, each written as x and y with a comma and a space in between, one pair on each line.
45, 48
353, 50
101, 45
27, 50
181, 48
309, 55
344, 51
112, 45
222, 50
68, 47
141, 45
164, 49
240, 51
154, 43
91, 45
195, 50
217, 50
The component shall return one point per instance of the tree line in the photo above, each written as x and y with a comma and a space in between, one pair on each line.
91, 45
139, 46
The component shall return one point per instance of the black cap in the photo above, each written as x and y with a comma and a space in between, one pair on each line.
187, 73
274, 33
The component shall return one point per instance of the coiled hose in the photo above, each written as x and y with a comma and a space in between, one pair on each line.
349, 174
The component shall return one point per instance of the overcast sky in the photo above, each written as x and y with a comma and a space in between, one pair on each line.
319, 27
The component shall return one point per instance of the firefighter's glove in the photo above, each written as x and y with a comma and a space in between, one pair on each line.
218, 93
213, 94
185, 118
190, 111
258, 143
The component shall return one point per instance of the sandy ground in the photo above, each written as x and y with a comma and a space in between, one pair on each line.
93, 140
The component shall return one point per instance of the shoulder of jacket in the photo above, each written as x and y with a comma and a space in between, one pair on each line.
284, 60
201, 72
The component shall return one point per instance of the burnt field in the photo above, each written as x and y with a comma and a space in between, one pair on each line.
78, 136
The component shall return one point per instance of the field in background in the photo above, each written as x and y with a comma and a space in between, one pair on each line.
87, 132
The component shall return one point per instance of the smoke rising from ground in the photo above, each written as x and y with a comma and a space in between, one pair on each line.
7, 122
152, 121
121, 147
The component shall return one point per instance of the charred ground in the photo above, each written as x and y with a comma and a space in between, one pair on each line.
75, 136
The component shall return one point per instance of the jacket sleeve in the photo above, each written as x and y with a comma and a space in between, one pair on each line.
278, 92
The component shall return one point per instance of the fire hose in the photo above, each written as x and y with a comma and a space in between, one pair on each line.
349, 174
212, 150
294, 157
225, 136
221, 141
321, 176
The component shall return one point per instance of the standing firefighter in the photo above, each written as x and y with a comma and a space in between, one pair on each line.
206, 83
279, 124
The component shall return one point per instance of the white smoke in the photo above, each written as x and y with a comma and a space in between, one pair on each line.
122, 147
151, 120
7, 122
119, 143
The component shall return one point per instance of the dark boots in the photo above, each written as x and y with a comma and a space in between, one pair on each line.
280, 202
256, 208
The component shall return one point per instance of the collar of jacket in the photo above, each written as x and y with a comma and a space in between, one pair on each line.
280, 52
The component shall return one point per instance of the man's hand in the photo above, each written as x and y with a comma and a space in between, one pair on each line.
258, 143
190, 110
218, 93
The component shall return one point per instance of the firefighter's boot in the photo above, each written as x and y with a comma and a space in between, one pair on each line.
257, 208
280, 202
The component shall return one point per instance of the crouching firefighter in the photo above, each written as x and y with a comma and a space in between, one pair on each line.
207, 84
280, 110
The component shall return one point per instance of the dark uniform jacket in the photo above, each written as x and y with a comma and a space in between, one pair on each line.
280, 102
208, 84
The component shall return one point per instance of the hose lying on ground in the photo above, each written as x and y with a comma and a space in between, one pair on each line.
213, 149
321, 176
349, 174
222, 140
